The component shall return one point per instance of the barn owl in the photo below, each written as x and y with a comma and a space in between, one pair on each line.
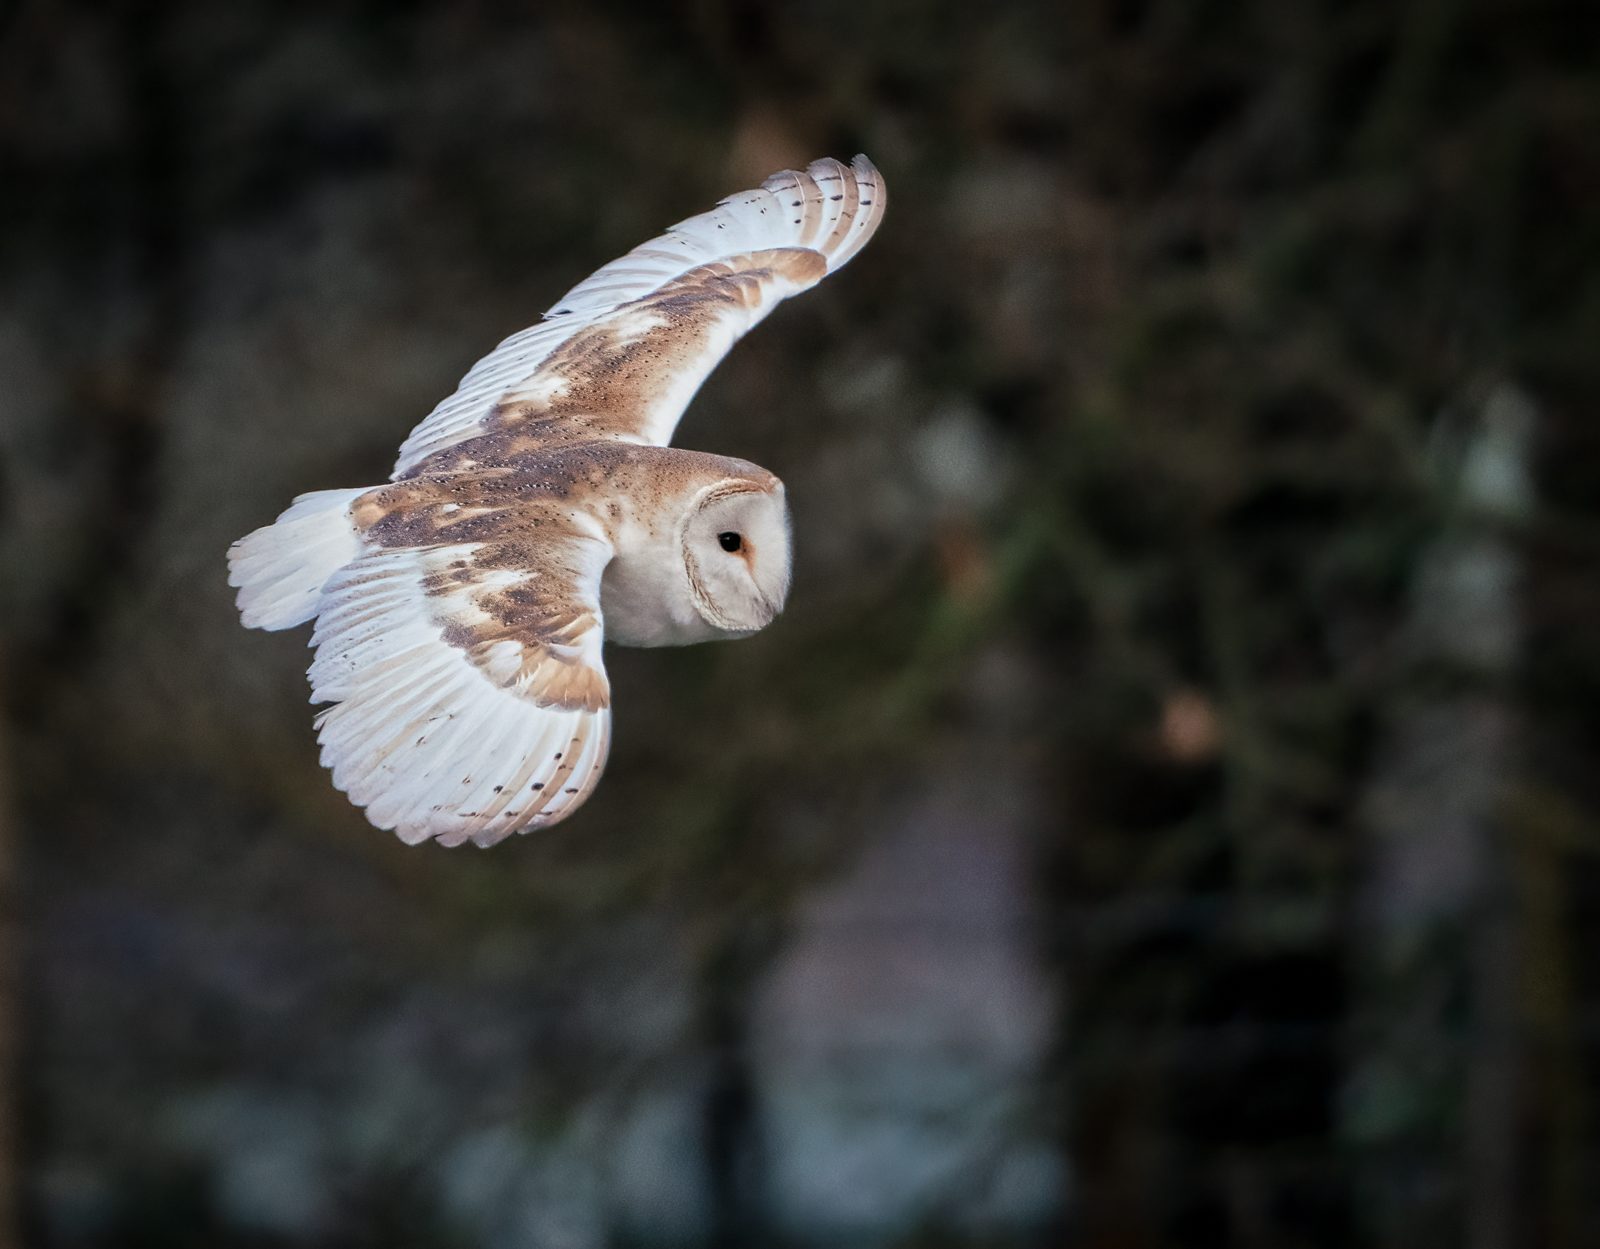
460, 608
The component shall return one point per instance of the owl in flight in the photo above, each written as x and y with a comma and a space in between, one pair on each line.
538, 510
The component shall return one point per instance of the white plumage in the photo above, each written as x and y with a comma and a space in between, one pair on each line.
417, 735
282, 568
460, 610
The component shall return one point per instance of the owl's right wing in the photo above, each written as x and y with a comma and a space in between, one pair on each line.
623, 352
470, 697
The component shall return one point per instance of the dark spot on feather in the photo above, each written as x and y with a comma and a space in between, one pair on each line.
572, 791
538, 784
459, 636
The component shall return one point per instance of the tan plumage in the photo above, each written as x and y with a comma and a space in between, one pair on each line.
537, 510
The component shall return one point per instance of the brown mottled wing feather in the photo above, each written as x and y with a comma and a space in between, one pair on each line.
470, 697
623, 352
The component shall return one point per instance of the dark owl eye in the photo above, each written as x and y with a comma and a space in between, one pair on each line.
730, 541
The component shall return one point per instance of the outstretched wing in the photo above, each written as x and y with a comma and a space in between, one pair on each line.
470, 697
623, 352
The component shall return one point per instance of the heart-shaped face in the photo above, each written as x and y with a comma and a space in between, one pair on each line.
736, 555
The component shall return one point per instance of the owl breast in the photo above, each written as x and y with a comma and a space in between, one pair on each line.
645, 600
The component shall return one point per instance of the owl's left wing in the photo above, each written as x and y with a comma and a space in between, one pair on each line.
470, 697
624, 351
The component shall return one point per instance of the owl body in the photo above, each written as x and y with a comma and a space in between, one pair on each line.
637, 499
461, 608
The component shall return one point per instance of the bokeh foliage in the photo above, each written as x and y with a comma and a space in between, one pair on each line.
1124, 463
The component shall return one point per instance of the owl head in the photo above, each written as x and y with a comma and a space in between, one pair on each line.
735, 540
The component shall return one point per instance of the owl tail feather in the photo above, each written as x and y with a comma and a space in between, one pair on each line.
280, 569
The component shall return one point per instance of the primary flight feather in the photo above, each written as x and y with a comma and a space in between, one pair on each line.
537, 511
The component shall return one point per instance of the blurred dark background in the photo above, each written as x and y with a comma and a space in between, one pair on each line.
1167, 814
